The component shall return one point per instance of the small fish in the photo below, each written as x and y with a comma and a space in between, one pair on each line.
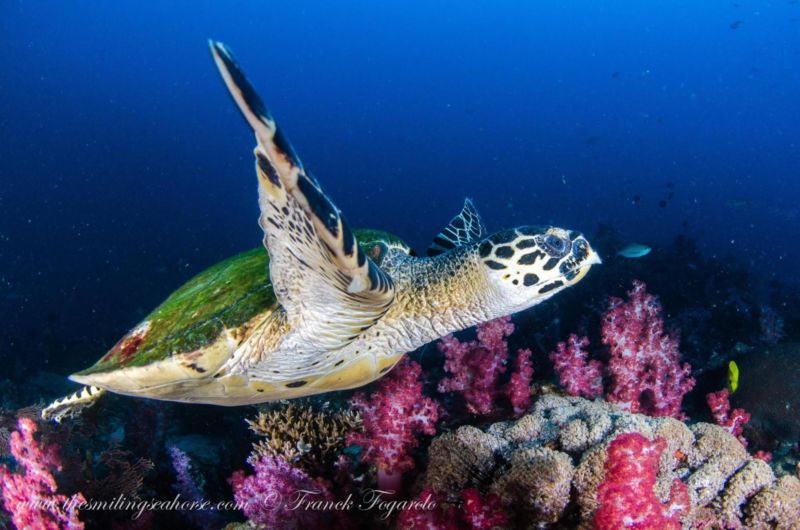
634, 250
736, 24
733, 376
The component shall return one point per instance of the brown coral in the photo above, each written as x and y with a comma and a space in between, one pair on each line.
551, 461
304, 434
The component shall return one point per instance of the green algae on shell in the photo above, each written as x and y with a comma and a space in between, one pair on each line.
226, 296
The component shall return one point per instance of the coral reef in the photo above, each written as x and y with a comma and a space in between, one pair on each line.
562, 446
518, 389
578, 376
627, 494
190, 487
644, 364
31, 495
472, 511
273, 495
475, 367
393, 415
731, 420
304, 434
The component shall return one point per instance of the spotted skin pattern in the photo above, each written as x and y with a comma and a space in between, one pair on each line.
545, 259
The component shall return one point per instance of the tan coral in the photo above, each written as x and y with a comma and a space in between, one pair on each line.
538, 482
462, 458
776, 507
304, 434
560, 446
754, 476
716, 456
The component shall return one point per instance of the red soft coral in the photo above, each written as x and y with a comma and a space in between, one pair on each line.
731, 420
476, 512
31, 496
393, 415
577, 376
481, 513
647, 376
626, 495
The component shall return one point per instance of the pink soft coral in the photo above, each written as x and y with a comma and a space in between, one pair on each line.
647, 376
578, 376
475, 368
273, 495
393, 416
731, 420
31, 496
518, 389
626, 495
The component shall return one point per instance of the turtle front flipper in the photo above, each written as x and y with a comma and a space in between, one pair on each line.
330, 289
73, 404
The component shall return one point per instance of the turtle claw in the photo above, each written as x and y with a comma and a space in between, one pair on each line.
72, 405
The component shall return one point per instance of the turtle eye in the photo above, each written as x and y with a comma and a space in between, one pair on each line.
556, 246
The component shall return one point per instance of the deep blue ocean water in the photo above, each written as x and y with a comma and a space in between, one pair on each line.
125, 169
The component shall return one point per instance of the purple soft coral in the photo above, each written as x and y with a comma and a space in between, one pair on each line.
188, 487
274, 496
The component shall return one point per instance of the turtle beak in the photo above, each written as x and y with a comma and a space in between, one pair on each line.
590, 258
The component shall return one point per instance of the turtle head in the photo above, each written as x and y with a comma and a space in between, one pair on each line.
529, 264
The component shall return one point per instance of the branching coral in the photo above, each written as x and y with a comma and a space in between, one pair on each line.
304, 434
30, 496
562, 444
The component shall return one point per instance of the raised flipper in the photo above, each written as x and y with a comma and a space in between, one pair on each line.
73, 404
331, 291
464, 228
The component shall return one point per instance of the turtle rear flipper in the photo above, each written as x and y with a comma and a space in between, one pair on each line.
330, 289
73, 404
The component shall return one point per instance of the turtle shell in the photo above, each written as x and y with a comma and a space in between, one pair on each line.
222, 298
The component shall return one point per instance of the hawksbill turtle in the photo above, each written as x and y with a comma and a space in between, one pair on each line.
321, 307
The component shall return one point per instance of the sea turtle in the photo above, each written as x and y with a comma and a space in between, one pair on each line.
323, 308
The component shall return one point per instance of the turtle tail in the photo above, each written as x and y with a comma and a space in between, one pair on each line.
73, 404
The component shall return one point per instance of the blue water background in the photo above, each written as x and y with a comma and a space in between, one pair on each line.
125, 168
